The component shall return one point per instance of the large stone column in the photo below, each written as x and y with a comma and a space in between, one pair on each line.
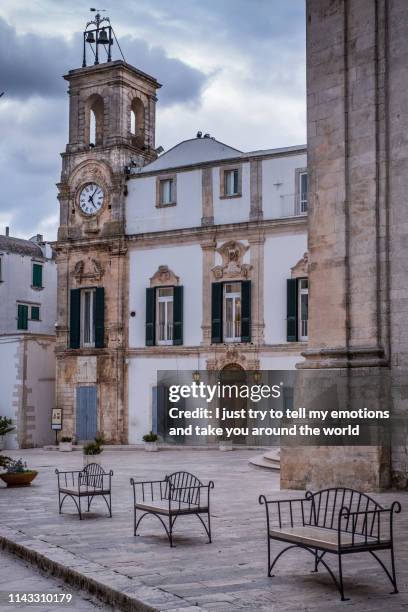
348, 161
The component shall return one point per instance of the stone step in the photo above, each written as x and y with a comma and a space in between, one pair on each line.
269, 460
273, 455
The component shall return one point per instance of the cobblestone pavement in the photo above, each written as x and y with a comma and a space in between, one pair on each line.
17, 576
226, 576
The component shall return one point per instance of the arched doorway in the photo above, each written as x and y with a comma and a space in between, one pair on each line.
234, 375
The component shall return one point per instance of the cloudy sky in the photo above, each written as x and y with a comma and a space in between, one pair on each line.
233, 68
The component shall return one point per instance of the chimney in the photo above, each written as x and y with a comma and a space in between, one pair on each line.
7, 231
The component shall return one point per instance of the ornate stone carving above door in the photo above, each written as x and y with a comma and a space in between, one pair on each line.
301, 269
90, 270
164, 276
232, 267
233, 355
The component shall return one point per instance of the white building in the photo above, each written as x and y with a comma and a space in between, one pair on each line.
27, 338
193, 260
217, 267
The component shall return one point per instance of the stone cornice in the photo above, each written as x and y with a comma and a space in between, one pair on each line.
26, 336
343, 357
175, 351
202, 234
251, 229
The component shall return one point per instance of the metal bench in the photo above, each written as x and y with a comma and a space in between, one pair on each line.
179, 494
338, 521
90, 482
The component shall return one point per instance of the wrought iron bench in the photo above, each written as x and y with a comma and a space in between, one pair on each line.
90, 482
338, 521
179, 494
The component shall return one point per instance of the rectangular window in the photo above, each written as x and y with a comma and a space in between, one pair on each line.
164, 318
35, 313
232, 312
303, 192
88, 317
37, 276
167, 192
22, 316
231, 182
303, 307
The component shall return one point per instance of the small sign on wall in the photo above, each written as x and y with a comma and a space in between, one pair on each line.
56, 419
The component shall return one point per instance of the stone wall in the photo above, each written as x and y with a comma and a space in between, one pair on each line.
356, 63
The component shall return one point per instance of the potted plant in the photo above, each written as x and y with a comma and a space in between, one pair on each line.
150, 441
4, 461
5, 428
92, 451
17, 474
65, 444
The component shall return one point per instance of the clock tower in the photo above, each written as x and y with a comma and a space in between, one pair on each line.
111, 127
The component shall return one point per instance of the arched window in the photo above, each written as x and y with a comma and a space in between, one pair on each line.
132, 123
92, 127
137, 122
94, 120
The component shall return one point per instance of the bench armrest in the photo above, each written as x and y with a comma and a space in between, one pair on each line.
369, 524
68, 478
148, 490
285, 512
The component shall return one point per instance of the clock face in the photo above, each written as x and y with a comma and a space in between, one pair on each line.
91, 199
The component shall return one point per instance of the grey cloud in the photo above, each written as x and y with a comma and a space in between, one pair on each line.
33, 65
268, 35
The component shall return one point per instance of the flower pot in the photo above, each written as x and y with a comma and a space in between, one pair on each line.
18, 479
225, 445
92, 459
65, 447
151, 447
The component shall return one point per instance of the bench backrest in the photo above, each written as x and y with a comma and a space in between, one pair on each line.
327, 503
184, 487
93, 475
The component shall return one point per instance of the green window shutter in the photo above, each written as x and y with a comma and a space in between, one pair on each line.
22, 316
150, 316
216, 312
75, 319
37, 275
35, 313
99, 317
291, 310
178, 315
246, 311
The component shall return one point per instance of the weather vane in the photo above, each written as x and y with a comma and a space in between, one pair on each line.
99, 36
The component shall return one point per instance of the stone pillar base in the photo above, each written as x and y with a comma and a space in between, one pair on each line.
316, 463
365, 468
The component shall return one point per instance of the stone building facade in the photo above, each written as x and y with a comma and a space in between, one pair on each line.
91, 246
161, 260
209, 267
357, 125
